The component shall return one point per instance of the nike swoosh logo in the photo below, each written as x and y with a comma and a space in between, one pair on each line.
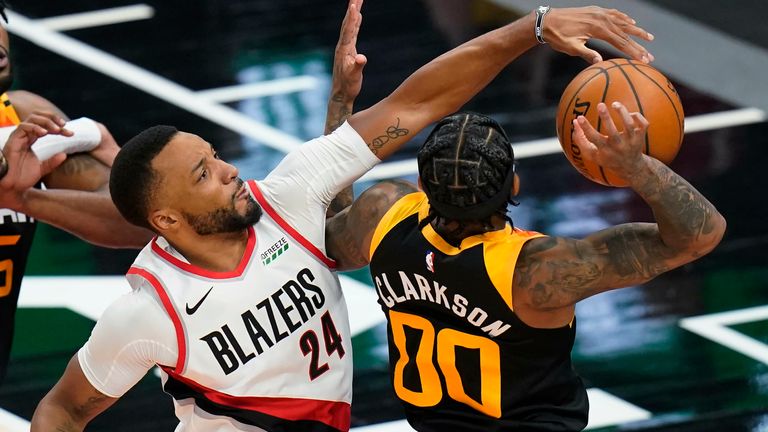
193, 309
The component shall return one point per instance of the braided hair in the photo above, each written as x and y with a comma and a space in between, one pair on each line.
467, 168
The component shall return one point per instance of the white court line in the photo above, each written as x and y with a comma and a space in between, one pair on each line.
724, 119
10, 422
714, 327
97, 18
546, 146
605, 410
149, 82
260, 89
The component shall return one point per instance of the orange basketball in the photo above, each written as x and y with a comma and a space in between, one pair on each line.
640, 88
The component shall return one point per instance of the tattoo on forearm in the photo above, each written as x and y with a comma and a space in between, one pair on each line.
336, 117
683, 214
91, 407
392, 132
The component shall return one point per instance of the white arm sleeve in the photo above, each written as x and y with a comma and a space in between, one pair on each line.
305, 182
132, 335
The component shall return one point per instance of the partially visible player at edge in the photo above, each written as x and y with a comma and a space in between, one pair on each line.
241, 309
77, 199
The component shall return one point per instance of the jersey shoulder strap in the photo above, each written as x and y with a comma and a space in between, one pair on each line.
402, 208
500, 252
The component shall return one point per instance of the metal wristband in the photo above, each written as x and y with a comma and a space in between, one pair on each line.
539, 28
3, 165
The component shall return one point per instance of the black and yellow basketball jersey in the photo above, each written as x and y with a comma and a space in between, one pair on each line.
460, 359
16, 232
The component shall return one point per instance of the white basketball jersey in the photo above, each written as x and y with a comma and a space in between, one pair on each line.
264, 347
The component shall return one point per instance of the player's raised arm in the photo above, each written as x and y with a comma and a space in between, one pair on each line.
446, 83
347, 81
553, 273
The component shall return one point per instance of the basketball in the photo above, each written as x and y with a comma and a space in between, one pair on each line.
640, 88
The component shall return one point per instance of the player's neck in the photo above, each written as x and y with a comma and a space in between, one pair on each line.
454, 232
215, 252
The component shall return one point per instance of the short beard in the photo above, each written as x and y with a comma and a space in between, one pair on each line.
225, 220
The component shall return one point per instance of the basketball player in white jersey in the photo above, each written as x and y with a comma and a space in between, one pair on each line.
236, 300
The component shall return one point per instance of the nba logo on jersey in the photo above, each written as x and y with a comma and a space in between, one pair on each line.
430, 261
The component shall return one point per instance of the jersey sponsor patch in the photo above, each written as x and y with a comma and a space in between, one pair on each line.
273, 252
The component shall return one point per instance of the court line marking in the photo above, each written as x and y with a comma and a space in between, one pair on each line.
149, 82
260, 89
715, 328
10, 422
97, 18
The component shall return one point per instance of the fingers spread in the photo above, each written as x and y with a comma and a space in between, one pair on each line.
590, 133
580, 138
626, 118
608, 126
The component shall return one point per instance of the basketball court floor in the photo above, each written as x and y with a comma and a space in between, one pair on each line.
686, 352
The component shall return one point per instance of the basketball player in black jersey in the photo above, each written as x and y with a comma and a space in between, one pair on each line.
77, 199
480, 313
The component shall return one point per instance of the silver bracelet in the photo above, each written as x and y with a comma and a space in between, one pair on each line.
539, 29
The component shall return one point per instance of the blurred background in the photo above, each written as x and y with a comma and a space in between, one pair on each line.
686, 352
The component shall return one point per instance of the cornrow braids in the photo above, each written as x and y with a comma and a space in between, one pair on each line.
467, 168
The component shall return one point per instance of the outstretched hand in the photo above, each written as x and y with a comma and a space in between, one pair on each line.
24, 169
619, 151
348, 63
568, 29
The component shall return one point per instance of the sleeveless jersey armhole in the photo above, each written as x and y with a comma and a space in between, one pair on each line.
501, 258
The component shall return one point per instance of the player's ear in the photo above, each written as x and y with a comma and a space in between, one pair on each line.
164, 220
515, 186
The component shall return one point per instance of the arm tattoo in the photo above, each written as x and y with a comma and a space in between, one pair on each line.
392, 132
93, 403
557, 272
346, 233
555, 283
685, 217
338, 113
